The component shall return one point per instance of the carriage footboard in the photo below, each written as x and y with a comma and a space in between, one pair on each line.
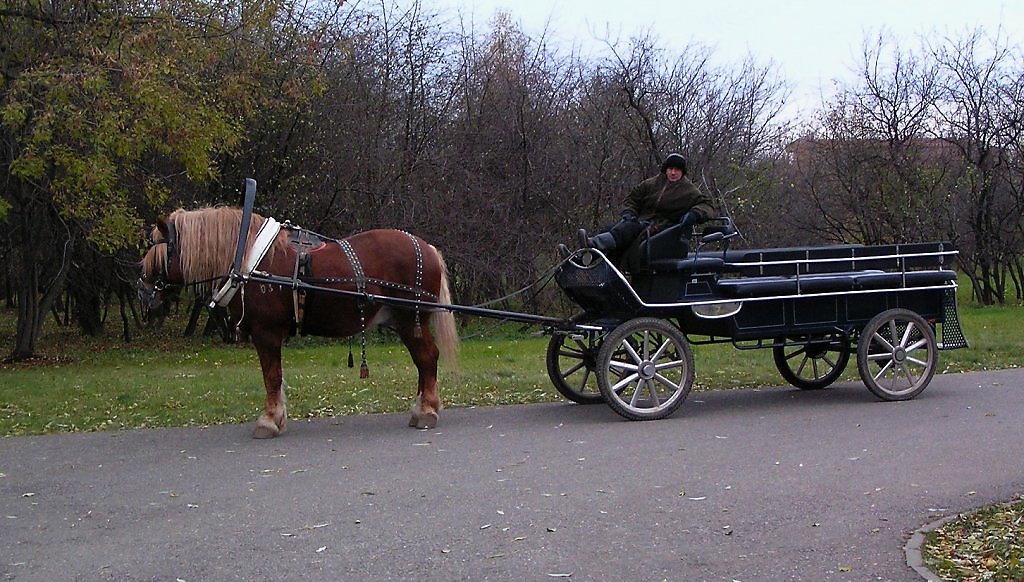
590, 280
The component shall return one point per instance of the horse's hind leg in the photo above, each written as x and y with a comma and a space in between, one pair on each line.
274, 419
424, 354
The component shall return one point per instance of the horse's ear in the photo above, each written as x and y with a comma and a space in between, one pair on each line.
160, 232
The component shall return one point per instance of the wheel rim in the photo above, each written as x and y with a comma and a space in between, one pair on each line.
898, 355
646, 369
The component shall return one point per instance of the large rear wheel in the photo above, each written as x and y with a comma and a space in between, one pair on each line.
812, 363
645, 369
896, 354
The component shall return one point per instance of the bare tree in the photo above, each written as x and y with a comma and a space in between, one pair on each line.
976, 115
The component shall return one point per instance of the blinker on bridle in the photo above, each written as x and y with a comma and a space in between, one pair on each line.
170, 250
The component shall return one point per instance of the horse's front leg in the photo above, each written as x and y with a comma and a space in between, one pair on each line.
424, 354
274, 419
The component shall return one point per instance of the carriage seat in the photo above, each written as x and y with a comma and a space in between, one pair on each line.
882, 280
691, 264
746, 287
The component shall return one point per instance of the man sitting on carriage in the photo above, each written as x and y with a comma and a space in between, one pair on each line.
656, 204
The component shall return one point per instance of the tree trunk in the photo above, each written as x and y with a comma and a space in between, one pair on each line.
34, 301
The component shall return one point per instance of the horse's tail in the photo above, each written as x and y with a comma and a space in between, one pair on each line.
442, 322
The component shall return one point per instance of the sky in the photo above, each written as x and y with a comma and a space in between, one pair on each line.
810, 42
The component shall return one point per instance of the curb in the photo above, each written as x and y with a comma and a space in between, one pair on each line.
913, 548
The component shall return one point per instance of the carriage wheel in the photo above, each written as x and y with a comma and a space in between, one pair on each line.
645, 369
572, 363
813, 365
896, 354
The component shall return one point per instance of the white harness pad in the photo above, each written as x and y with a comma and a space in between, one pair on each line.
264, 238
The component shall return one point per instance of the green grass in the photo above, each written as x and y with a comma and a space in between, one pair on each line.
162, 379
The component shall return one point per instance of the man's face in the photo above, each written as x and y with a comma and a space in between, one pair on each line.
673, 174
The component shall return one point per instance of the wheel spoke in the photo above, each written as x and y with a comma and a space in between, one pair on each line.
670, 365
797, 352
800, 370
666, 344
636, 392
632, 352
881, 339
911, 377
668, 383
916, 345
583, 383
570, 352
652, 390
922, 363
893, 331
626, 380
907, 333
573, 370
884, 369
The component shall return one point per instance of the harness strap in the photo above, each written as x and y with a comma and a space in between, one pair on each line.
419, 292
360, 281
417, 332
299, 296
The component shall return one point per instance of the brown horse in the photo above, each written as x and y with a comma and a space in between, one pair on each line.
198, 246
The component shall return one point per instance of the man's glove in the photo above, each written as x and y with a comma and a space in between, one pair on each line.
689, 219
628, 216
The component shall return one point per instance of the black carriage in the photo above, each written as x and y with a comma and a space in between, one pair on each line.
812, 306
629, 345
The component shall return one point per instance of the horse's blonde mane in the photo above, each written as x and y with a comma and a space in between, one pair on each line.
207, 238
155, 259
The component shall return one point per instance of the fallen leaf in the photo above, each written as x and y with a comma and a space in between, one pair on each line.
321, 549
28, 494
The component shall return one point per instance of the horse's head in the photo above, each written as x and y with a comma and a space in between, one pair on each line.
161, 275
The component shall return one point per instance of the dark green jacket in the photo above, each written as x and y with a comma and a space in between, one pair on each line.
663, 202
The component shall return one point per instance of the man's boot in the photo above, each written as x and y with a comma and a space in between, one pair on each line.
602, 242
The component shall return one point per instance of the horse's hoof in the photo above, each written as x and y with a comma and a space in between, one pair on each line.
425, 420
265, 431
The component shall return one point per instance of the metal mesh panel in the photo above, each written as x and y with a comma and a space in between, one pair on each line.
952, 336
596, 289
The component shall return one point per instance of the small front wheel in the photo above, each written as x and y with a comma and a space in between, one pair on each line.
572, 361
896, 354
645, 369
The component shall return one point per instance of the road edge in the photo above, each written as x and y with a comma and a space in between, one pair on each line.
913, 548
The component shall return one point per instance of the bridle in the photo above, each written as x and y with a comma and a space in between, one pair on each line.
147, 291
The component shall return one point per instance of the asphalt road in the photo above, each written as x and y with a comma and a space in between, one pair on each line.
768, 484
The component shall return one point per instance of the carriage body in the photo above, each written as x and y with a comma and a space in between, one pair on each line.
813, 306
